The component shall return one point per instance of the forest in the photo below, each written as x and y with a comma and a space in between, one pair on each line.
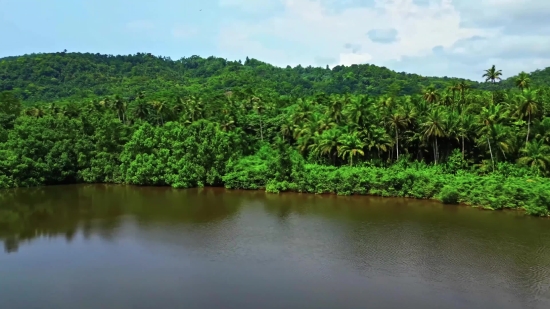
147, 120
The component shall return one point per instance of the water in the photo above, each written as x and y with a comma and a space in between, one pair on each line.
128, 247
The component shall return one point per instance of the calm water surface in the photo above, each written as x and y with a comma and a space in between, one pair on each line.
127, 247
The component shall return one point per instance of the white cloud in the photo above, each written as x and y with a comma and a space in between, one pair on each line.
354, 58
309, 30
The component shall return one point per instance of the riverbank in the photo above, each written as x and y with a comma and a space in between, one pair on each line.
280, 170
417, 181
410, 180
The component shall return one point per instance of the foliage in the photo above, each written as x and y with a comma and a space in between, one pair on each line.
145, 120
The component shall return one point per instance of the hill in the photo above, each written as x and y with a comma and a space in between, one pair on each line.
54, 76
363, 129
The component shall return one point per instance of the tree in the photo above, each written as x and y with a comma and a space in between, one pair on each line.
10, 108
466, 126
528, 104
431, 95
327, 143
396, 122
536, 155
434, 129
350, 146
492, 74
522, 81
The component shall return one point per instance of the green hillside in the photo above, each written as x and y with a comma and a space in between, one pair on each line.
144, 120
50, 77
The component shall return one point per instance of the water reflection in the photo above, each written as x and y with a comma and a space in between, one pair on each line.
26, 214
431, 254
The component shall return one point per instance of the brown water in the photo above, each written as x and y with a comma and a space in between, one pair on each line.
127, 247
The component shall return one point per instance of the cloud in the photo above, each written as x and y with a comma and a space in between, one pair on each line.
432, 37
353, 47
511, 17
322, 61
384, 36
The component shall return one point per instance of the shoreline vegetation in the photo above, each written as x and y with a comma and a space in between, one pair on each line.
144, 120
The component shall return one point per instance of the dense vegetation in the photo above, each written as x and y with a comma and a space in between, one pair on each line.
145, 120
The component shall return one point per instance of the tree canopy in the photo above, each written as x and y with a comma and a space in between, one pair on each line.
147, 120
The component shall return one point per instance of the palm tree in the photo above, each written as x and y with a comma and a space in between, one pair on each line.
448, 97
36, 112
351, 145
335, 108
355, 112
376, 137
120, 107
159, 108
492, 74
227, 123
501, 136
327, 143
193, 109
528, 105
258, 105
178, 108
543, 130
488, 117
463, 87
287, 127
303, 112
466, 125
396, 121
431, 95
141, 110
523, 81
537, 155
434, 128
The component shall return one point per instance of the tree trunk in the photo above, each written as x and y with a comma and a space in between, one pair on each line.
435, 155
261, 129
397, 143
491, 151
436, 151
528, 129
462, 147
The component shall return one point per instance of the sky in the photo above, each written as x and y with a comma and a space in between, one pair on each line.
459, 38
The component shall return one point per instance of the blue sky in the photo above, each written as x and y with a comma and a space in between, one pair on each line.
429, 37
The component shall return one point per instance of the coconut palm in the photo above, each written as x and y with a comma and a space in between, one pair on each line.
528, 104
492, 74
433, 128
523, 81
396, 122
536, 154
351, 145
431, 95
488, 117
542, 129
466, 128
327, 143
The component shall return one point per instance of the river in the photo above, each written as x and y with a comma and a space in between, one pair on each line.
101, 246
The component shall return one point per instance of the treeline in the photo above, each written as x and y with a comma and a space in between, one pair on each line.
40, 78
457, 144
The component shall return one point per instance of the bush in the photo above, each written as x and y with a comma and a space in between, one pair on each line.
449, 195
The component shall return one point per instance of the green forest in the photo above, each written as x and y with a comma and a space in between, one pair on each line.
147, 120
